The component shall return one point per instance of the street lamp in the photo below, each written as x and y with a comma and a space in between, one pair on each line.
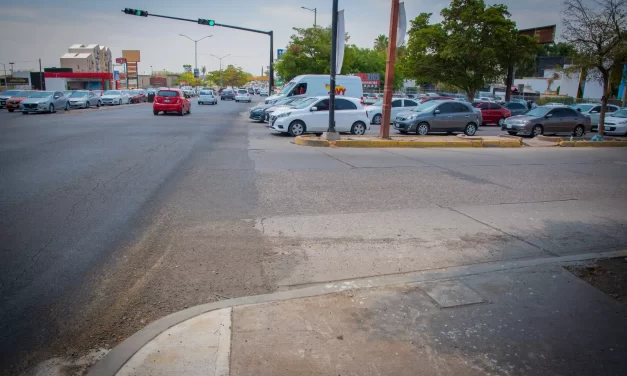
196, 48
151, 71
315, 10
220, 58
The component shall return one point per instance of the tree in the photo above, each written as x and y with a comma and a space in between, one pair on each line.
381, 43
599, 36
187, 77
465, 50
203, 69
235, 76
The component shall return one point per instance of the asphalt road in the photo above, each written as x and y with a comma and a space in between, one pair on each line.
113, 218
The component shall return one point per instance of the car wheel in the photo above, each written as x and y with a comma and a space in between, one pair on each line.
155, 112
377, 119
11, 110
119, 102
422, 129
182, 112
536, 131
189, 110
67, 106
98, 104
500, 122
512, 133
579, 131
359, 128
51, 108
470, 129
297, 128
24, 113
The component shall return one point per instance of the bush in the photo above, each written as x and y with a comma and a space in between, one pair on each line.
565, 100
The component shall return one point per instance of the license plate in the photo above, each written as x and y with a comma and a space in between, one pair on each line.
167, 101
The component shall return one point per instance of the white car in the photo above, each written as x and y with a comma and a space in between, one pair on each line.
114, 97
375, 112
616, 123
263, 92
241, 95
207, 96
312, 115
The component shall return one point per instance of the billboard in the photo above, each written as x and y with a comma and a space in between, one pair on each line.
120, 60
187, 68
158, 81
131, 55
545, 34
131, 68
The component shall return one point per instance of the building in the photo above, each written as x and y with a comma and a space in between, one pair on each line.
84, 66
568, 84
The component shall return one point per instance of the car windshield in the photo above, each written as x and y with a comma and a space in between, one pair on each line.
10, 93
206, 92
288, 88
228, 91
167, 93
112, 92
425, 107
305, 102
242, 91
620, 114
582, 107
38, 94
78, 94
538, 111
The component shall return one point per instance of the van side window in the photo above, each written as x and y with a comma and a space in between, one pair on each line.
300, 89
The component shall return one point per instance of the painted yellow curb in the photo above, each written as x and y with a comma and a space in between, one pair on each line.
374, 143
593, 144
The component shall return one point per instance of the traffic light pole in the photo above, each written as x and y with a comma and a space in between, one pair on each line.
268, 33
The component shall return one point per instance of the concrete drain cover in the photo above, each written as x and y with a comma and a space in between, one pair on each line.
451, 293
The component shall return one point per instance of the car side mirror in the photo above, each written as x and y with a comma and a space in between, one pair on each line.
436, 112
314, 109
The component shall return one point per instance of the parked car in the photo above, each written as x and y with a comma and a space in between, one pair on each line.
84, 99
375, 112
516, 108
289, 102
263, 92
548, 120
554, 104
114, 97
439, 116
68, 93
207, 96
251, 91
6, 95
98, 92
493, 113
44, 101
428, 98
593, 111
259, 112
370, 98
483, 99
227, 94
312, 115
242, 96
13, 103
616, 123
137, 96
172, 100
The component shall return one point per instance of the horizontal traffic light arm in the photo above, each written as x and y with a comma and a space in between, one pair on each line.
198, 21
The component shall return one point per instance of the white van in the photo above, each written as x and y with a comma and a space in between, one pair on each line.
314, 85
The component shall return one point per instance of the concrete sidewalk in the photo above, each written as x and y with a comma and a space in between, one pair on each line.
528, 317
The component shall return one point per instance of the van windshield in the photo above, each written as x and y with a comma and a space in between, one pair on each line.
288, 88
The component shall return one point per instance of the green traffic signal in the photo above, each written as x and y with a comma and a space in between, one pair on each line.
135, 12
203, 21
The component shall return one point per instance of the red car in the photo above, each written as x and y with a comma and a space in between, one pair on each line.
493, 113
171, 100
137, 96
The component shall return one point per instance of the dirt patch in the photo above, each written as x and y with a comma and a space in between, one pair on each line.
609, 276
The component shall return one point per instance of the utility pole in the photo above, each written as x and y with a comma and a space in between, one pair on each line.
384, 131
11, 69
220, 58
331, 134
196, 53
6, 82
41, 77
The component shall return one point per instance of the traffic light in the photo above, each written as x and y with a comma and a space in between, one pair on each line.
135, 12
206, 22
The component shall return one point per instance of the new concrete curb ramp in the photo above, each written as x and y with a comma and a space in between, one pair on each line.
413, 142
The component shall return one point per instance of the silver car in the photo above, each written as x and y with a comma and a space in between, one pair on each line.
439, 116
44, 101
593, 111
6, 95
548, 120
84, 99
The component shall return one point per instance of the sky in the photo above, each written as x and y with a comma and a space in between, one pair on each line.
44, 29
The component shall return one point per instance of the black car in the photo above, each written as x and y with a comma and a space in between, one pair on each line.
516, 108
251, 91
227, 94
257, 90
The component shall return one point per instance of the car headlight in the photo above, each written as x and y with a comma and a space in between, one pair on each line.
412, 117
527, 122
285, 114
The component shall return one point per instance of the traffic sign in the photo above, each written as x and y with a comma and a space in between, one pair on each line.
280, 52
116, 75
120, 60
196, 73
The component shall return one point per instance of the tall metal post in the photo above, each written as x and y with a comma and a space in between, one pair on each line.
41, 77
384, 131
271, 78
333, 68
126, 73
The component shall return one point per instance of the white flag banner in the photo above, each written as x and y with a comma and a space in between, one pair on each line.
401, 29
339, 44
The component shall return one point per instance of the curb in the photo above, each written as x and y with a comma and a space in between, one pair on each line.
592, 144
122, 353
381, 143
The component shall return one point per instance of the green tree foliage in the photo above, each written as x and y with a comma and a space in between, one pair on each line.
528, 67
186, 77
466, 49
381, 43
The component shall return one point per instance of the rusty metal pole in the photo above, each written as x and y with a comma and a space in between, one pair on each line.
384, 132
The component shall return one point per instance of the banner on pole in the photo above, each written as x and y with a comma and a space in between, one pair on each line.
401, 29
341, 38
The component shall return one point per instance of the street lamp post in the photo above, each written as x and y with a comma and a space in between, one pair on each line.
315, 10
152, 73
196, 50
220, 58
